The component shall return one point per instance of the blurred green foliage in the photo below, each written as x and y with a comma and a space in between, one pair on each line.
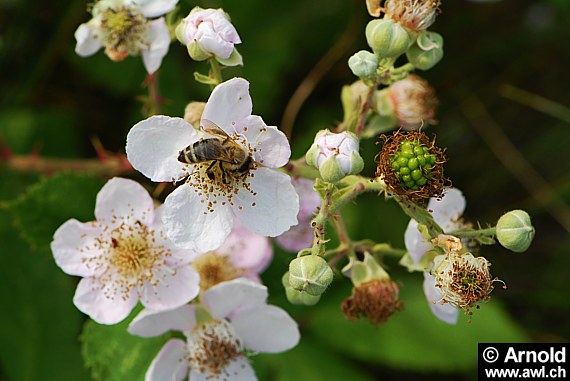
53, 102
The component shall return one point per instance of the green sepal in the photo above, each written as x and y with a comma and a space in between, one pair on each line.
331, 171
357, 163
205, 79
235, 59
196, 52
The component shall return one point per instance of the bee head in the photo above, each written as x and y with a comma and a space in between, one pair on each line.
182, 156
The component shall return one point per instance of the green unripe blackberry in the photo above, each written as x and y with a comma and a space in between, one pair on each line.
412, 165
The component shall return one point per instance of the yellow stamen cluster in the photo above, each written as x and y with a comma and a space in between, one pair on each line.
212, 346
124, 32
214, 269
131, 256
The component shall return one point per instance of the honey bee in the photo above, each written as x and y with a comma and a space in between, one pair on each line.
221, 150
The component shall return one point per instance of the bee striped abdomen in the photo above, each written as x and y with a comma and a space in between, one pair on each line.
200, 151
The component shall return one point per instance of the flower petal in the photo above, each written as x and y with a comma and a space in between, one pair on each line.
447, 312
309, 199
238, 370
448, 210
124, 201
73, 242
265, 328
223, 26
227, 297
270, 146
159, 42
229, 103
102, 302
87, 39
154, 8
212, 42
153, 146
297, 238
189, 223
247, 250
270, 206
170, 288
150, 323
170, 364
415, 242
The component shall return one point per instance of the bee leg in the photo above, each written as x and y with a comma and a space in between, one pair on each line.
210, 171
224, 174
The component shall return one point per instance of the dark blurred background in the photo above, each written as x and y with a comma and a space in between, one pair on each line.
504, 117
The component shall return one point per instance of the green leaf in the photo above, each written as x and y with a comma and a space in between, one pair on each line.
48, 204
113, 354
306, 361
39, 324
414, 339
51, 132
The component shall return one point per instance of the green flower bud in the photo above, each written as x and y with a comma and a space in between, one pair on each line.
388, 39
310, 274
515, 231
301, 297
427, 51
335, 155
296, 296
363, 64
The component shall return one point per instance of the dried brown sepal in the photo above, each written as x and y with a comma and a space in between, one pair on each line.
374, 8
376, 300
436, 183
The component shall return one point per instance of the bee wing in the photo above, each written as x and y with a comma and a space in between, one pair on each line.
212, 128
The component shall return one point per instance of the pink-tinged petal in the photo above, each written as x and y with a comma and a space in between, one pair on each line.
247, 250
170, 288
265, 328
88, 42
155, 8
228, 297
415, 242
159, 40
212, 42
224, 27
270, 206
189, 223
170, 364
153, 146
238, 370
102, 302
297, 238
229, 103
309, 199
151, 323
446, 312
448, 210
270, 146
73, 243
124, 201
